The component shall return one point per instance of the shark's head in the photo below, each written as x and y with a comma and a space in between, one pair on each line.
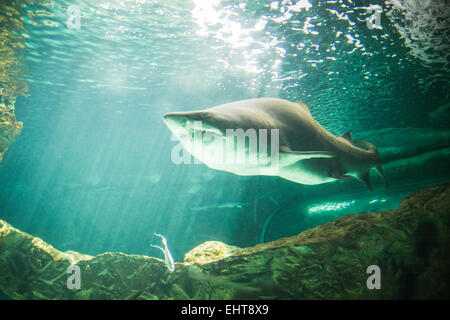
186, 124
199, 128
202, 133
219, 139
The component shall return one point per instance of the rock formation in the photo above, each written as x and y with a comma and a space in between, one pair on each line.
410, 245
12, 70
9, 128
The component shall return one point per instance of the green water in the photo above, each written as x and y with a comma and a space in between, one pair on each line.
92, 171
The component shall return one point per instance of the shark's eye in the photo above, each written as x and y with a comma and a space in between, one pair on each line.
204, 115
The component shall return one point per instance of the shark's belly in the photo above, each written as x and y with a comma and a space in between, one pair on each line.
245, 162
297, 172
240, 162
244, 169
300, 173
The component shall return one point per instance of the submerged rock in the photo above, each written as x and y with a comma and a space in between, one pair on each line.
209, 251
410, 245
13, 70
9, 128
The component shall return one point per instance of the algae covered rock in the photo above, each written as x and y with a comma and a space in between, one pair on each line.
209, 251
13, 35
13, 70
410, 247
9, 128
33, 269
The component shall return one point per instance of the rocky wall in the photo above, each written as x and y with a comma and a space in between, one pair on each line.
410, 245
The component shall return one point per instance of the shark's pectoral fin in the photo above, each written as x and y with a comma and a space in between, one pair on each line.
342, 177
364, 177
288, 157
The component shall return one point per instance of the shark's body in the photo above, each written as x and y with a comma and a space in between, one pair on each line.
226, 205
308, 153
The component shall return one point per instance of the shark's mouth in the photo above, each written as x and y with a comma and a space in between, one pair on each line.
185, 128
201, 130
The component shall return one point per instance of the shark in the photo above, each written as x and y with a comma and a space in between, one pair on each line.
226, 205
299, 149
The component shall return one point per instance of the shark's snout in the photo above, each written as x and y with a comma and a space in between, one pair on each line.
185, 123
175, 117
190, 121
175, 120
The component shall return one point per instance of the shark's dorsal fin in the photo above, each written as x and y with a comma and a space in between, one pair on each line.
304, 106
346, 136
